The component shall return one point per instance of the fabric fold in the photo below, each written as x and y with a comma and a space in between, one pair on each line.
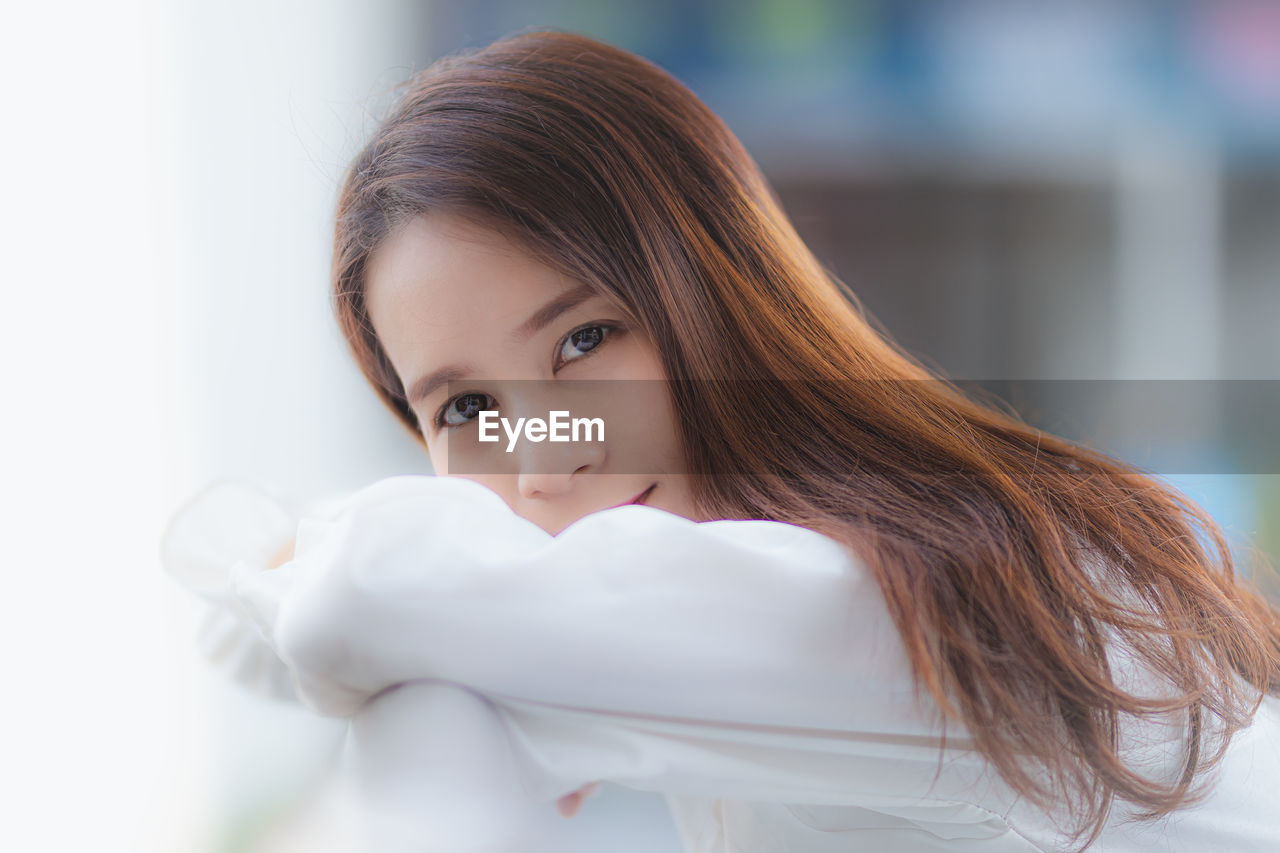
225, 527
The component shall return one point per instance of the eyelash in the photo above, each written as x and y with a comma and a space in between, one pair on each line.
610, 330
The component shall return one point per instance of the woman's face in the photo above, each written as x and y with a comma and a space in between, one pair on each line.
450, 299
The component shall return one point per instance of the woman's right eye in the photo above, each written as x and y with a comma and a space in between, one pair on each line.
462, 409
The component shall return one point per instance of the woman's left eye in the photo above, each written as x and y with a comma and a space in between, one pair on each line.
584, 340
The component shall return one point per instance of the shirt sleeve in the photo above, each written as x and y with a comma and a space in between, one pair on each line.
232, 527
631, 610
436, 762
230, 522
742, 659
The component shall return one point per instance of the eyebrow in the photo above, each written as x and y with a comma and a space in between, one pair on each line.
538, 321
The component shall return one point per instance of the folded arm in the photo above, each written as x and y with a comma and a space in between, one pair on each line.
632, 610
744, 659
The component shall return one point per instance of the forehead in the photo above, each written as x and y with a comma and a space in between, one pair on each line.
439, 278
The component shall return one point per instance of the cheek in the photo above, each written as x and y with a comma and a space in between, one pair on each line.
638, 426
648, 397
438, 453
454, 454
643, 361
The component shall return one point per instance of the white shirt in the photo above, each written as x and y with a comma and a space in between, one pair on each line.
747, 670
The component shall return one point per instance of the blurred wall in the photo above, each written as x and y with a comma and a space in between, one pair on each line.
263, 106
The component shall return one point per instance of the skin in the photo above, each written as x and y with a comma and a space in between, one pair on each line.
441, 291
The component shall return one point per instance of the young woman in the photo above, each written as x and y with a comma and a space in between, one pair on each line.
852, 608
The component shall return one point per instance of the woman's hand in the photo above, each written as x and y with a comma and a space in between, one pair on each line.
569, 804
282, 556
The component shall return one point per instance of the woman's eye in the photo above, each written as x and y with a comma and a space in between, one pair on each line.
583, 341
461, 409
467, 407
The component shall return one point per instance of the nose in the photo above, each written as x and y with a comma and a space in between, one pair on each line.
543, 485
548, 468
551, 470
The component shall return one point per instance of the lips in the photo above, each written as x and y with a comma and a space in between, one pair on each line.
639, 499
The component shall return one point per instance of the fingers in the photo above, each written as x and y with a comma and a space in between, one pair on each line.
282, 556
569, 804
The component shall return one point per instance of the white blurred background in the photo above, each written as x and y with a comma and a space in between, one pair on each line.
1091, 191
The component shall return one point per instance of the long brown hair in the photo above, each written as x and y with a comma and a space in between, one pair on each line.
986, 535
